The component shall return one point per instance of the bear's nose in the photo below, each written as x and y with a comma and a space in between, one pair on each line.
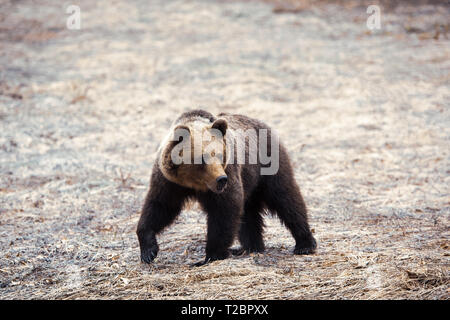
221, 182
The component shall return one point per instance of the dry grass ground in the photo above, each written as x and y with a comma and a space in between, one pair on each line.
364, 115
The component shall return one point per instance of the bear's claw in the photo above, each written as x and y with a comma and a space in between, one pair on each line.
148, 255
201, 263
241, 251
238, 251
306, 248
213, 257
302, 251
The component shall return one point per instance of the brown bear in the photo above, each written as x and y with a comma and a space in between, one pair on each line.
234, 195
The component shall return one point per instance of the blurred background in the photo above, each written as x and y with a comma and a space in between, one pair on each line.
88, 89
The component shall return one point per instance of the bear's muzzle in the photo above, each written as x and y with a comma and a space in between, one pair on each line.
221, 183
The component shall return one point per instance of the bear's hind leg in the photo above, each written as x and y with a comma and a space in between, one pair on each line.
283, 196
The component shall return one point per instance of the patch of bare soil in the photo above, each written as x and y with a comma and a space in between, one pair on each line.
365, 116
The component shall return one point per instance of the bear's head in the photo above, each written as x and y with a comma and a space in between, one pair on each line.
193, 154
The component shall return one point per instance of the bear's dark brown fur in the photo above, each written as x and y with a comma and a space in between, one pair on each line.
236, 210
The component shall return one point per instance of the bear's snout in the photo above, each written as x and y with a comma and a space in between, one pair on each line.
221, 183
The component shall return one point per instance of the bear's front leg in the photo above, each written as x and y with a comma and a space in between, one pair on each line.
148, 245
162, 205
220, 236
224, 212
155, 217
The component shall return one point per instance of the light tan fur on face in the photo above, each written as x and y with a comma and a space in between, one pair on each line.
199, 177
195, 176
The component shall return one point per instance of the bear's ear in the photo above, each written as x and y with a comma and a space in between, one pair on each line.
166, 159
221, 125
179, 134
